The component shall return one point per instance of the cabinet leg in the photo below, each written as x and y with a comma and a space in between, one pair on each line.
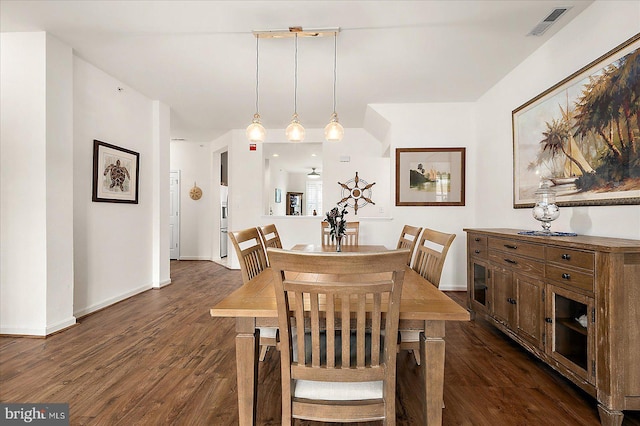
610, 417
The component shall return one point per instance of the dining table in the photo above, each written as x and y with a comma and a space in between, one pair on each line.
423, 307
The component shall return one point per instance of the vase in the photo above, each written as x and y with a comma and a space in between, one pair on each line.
339, 243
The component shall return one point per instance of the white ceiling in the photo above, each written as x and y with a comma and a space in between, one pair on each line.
199, 57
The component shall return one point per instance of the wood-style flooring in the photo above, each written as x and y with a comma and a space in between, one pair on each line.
158, 358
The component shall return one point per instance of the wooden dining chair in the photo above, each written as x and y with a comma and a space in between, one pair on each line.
408, 239
336, 365
431, 252
351, 236
252, 258
270, 237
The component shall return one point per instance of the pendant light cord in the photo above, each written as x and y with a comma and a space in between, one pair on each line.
295, 83
257, 70
335, 66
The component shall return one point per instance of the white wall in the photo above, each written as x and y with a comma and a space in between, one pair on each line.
161, 135
59, 159
436, 125
113, 257
36, 279
600, 28
483, 127
197, 218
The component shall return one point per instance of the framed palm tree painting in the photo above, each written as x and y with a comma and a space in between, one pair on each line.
582, 135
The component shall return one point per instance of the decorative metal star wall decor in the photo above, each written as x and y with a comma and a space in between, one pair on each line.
360, 191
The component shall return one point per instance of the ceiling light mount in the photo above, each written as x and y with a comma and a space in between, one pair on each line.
296, 32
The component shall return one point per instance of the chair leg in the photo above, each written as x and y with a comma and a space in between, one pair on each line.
263, 352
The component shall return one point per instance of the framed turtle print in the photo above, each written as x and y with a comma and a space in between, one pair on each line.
430, 176
115, 174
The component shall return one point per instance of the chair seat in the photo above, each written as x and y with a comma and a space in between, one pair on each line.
268, 332
410, 335
337, 391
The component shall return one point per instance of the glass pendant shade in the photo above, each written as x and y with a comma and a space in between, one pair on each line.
255, 131
294, 131
334, 131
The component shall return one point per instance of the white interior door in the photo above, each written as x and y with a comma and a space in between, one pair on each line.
174, 217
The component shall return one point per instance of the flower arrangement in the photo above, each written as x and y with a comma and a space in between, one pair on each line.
336, 221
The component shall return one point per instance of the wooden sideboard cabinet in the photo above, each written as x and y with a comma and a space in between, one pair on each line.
574, 302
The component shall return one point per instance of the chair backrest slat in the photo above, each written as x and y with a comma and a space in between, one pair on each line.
408, 239
351, 236
428, 261
270, 237
250, 251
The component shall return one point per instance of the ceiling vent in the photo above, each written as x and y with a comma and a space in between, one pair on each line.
544, 25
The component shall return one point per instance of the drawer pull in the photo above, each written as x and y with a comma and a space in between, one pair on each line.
513, 262
477, 251
566, 276
511, 246
511, 300
477, 239
566, 256
549, 320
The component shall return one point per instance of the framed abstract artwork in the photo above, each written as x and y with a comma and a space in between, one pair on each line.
430, 176
115, 174
582, 135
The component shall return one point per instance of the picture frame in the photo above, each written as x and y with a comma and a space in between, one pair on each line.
115, 174
579, 139
430, 176
278, 195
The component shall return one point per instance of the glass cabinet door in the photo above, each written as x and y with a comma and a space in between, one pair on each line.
479, 281
571, 327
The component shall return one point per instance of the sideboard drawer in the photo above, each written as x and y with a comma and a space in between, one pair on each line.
477, 245
517, 247
569, 257
517, 263
569, 277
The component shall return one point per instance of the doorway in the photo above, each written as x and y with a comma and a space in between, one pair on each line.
174, 215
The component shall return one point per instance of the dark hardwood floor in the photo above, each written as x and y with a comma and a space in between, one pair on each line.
158, 359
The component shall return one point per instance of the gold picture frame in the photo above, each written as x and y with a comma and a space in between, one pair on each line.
582, 136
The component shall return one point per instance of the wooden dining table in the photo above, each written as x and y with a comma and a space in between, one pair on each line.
422, 304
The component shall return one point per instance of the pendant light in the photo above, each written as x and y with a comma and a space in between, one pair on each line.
255, 131
295, 131
334, 131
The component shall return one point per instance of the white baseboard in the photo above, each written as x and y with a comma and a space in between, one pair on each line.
111, 301
195, 258
61, 325
38, 332
163, 283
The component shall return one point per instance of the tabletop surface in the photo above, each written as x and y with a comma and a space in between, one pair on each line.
420, 299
